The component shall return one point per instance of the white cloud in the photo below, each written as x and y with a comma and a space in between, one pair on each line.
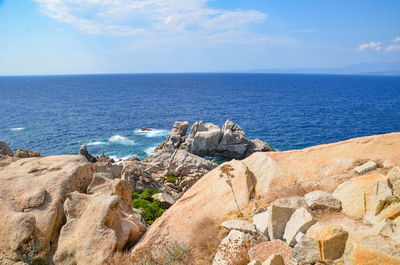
397, 39
392, 48
141, 17
372, 45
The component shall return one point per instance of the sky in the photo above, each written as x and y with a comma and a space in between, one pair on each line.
39, 37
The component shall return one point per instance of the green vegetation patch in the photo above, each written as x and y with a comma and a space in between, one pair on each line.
171, 179
152, 208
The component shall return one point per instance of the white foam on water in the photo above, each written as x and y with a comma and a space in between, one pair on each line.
119, 160
149, 150
119, 139
18, 129
152, 133
96, 143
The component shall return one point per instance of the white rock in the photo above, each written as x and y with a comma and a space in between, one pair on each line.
364, 168
231, 247
260, 220
240, 225
306, 251
388, 229
164, 198
321, 200
280, 212
300, 221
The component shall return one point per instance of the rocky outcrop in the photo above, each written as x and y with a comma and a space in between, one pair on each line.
151, 173
379, 244
181, 163
32, 194
98, 223
176, 137
22, 153
38, 194
84, 152
361, 195
261, 179
207, 139
5, 150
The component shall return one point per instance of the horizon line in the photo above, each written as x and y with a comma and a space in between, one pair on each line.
377, 73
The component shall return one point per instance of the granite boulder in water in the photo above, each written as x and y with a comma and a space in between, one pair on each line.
207, 139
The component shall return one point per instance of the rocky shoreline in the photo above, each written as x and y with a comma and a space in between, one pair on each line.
330, 204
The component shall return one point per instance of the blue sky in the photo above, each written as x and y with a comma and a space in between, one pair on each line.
135, 36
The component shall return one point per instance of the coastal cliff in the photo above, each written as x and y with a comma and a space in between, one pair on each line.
332, 204
263, 178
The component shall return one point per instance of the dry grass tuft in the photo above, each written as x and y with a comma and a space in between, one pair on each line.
205, 239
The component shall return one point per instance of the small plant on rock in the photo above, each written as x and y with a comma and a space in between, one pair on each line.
33, 252
226, 171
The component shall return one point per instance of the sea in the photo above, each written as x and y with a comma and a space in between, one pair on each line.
57, 114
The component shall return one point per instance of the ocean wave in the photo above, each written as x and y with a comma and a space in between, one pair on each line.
18, 129
149, 150
96, 143
120, 159
152, 133
119, 139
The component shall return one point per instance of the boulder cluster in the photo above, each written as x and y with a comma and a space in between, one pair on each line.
172, 172
178, 163
331, 204
207, 139
358, 224
64, 210
5, 150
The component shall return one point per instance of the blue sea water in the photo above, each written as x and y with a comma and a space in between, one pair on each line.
56, 114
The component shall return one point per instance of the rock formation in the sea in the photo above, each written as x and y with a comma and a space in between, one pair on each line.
39, 194
308, 206
207, 139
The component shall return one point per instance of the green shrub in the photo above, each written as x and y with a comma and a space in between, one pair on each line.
171, 179
152, 208
144, 194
